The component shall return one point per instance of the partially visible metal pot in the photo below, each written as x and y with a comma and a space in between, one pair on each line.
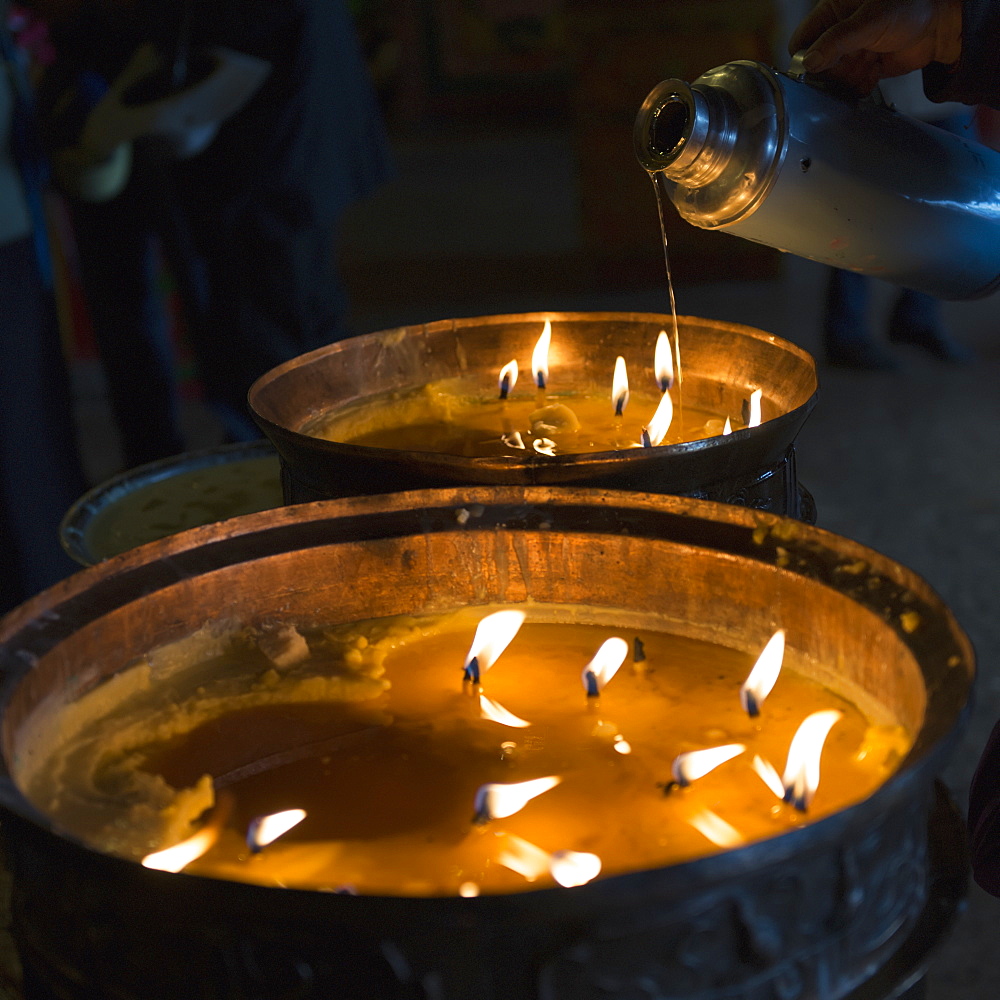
781, 159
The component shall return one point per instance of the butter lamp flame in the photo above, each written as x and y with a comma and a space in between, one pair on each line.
264, 830
498, 801
494, 634
754, 418
727, 428
619, 386
663, 362
656, 430
764, 674
495, 712
571, 868
540, 356
801, 777
508, 378
688, 767
604, 665
178, 857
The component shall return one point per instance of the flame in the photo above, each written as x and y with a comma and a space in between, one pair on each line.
604, 665
622, 745
656, 429
544, 446
178, 857
688, 767
494, 634
513, 440
764, 674
495, 712
469, 890
508, 378
727, 428
619, 387
714, 828
571, 868
523, 857
801, 777
754, 419
663, 362
497, 801
265, 830
540, 356
769, 775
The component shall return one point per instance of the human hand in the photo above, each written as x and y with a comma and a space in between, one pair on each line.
861, 41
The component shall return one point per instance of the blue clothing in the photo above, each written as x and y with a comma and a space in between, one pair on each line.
247, 226
40, 473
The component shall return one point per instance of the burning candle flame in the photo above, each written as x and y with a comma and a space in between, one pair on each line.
571, 868
754, 419
663, 362
769, 775
604, 665
656, 429
178, 857
688, 767
497, 801
619, 387
714, 828
495, 712
494, 634
801, 777
727, 428
540, 356
544, 446
265, 830
508, 378
523, 857
764, 674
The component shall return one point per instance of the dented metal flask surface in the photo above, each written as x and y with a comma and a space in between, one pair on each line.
783, 160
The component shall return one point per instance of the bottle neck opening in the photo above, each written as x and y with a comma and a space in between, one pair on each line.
669, 128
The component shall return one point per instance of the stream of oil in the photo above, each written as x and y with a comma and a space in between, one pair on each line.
662, 196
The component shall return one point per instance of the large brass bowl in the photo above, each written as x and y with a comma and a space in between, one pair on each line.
813, 914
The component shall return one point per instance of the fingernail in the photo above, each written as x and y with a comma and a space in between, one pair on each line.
812, 61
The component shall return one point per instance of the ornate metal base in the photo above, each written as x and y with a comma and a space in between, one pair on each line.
898, 978
774, 488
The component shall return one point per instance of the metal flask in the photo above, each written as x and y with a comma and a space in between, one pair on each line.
785, 160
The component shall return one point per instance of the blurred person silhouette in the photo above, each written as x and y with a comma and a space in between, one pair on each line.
225, 139
954, 43
915, 318
41, 472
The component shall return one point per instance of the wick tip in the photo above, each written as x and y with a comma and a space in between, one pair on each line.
471, 671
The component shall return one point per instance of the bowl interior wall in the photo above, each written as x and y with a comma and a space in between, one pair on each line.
620, 579
722, 363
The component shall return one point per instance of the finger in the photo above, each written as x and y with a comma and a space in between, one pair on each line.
855, 34
820, 19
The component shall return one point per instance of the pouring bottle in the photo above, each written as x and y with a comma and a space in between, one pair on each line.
786, 160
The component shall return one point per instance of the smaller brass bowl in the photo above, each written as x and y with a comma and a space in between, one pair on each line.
722, 363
